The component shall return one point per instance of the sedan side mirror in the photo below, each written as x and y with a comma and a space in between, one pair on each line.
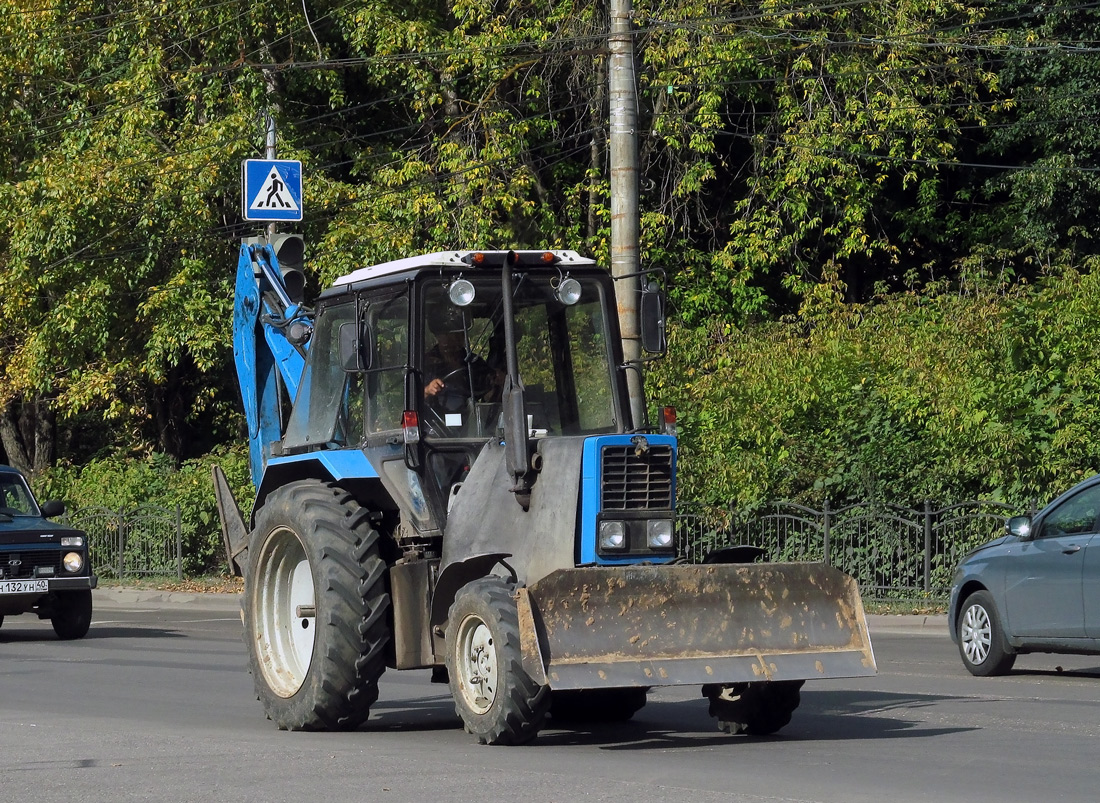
1019, 526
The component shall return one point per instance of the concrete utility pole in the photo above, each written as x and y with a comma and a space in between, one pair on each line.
625, 224
269, 153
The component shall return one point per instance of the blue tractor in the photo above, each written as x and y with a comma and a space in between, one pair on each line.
448, 477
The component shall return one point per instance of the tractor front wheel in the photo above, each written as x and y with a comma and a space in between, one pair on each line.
496, 699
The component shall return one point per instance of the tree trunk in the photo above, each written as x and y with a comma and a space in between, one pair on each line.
28, 431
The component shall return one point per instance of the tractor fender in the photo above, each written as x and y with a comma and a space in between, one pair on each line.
455, 575
348, 468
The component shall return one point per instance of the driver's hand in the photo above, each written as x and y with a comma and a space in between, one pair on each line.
433, 387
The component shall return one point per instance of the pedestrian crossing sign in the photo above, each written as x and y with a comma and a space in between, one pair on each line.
271, 189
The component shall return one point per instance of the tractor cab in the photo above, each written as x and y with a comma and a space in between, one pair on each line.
442, 353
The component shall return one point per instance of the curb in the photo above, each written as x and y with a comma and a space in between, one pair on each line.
130, 597
916, 624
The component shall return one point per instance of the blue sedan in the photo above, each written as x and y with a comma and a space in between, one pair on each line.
1036, 589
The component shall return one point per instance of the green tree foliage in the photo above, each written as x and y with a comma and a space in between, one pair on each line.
121, 163
820, 129
979, 392
847, 197
124, 484
1046, 142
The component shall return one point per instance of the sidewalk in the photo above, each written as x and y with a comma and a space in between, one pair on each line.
113, 597
920, 624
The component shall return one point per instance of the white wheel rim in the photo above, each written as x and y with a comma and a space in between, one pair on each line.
284, 612
975, 633
477, 664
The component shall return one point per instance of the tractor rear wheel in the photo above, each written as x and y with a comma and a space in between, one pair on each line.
496, 699
316, 608
756, 709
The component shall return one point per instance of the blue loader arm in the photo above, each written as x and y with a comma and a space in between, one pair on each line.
268, 363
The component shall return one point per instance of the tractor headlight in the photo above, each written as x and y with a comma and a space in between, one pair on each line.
73, 562
658, 534
461, 292
612, 535
568, 291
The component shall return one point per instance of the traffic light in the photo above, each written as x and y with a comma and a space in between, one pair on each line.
290, 251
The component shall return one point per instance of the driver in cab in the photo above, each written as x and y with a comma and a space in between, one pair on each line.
455, 374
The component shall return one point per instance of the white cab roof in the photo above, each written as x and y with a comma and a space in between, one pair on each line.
445, 259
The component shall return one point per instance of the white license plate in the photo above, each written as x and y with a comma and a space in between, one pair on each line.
24, 586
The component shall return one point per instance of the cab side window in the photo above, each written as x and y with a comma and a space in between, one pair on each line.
388, 320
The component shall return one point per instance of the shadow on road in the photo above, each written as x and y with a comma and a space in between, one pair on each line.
1077, 673
409, 716
45, 633
823, 717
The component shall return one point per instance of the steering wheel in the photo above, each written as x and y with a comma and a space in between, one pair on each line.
447, 400
460, 399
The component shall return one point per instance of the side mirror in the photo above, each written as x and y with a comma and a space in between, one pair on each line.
651, 316
52, 509
355, 348
1019, 526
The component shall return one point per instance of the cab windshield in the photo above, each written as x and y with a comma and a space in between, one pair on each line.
562, 351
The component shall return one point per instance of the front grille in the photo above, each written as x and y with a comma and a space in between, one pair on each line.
633, 479
19, 561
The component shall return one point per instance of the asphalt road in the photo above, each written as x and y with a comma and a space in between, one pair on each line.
156, 704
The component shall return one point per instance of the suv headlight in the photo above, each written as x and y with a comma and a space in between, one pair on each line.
73, 562
72, 540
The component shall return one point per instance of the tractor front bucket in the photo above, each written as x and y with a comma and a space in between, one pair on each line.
671, 625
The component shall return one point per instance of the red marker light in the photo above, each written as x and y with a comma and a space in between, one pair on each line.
410, 426
668, 418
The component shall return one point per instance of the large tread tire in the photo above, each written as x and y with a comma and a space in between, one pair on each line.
981, 638
755, 709
496, 699
71, 614
316, 609
596, 706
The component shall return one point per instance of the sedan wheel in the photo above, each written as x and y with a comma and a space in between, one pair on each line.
981, 640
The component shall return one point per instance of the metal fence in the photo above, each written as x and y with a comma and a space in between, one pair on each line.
894, 552
147, 540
